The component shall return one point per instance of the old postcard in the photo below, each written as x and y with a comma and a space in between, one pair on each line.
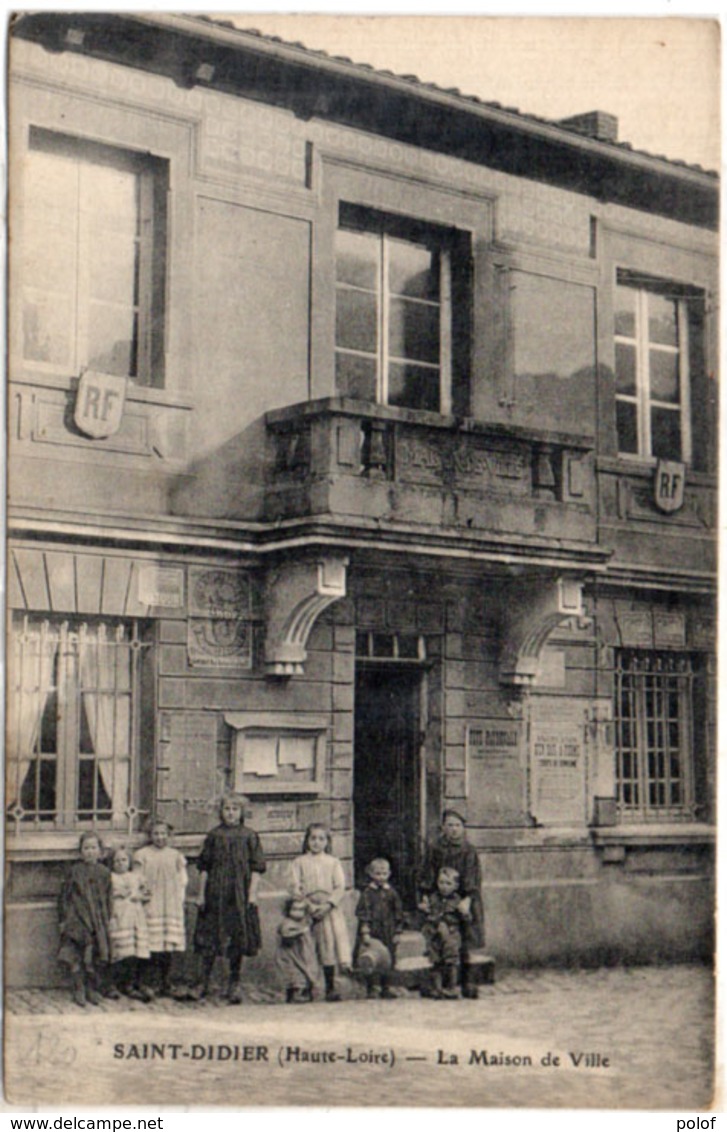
361, 567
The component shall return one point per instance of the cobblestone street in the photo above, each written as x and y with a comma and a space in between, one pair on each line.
608, 1038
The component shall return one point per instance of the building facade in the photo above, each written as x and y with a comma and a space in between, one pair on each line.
362, 459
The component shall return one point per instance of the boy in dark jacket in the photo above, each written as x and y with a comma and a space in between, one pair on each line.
380, 917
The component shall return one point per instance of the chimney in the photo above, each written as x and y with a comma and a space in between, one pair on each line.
595, 124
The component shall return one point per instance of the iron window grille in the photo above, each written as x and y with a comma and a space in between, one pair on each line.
654, 740
73, 731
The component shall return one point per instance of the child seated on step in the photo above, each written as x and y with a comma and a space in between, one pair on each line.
447, 914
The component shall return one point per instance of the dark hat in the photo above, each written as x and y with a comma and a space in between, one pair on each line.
450, 812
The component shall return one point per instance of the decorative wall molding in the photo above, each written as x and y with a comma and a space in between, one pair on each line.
535, 609
296, 595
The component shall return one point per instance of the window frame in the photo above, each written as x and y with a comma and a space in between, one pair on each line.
643, 286
148, 300
454, 260
69, 723
633, 670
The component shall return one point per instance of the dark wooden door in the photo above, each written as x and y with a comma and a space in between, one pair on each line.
387, 778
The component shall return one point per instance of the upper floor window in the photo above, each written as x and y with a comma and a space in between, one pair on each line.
93, 258
658, 329
74, 708
399, 311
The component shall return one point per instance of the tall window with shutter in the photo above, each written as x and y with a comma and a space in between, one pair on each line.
94, 247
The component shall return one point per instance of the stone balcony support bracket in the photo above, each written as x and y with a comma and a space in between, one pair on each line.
296, 594
534, 610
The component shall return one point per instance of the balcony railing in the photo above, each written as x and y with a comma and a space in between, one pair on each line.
350, 458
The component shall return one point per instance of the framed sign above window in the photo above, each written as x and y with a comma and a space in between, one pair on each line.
277, 754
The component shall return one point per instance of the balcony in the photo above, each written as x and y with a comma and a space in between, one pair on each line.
369, 466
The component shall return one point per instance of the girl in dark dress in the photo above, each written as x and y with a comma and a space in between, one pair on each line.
452, 850
380, 916
231, 862
84, 912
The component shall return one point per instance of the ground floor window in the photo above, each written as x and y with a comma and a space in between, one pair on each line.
654, 734
73, 721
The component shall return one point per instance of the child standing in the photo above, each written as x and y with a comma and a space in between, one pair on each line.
231, 862
317, 876
164, 873
127, 927
447, 913
84, 910
380, 916
296, 954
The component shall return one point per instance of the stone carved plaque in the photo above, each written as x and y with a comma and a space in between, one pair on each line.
187, 757
557, 770
636, 629
494, 772
419, 461
220, 618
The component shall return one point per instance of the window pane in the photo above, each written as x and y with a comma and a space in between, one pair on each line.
356, 321
663, 326
356, 376
49, 259
47, 327
625, 369
114, 270
408, 647
413, 331
626, 427
109, 198
664, 375
413, 270
666, 433
624, 318
112, 340
382, 644
38, 793
93, 797
51, 183
413, 387
357, 258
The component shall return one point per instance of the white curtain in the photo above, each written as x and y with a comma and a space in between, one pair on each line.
34, 651
105, 687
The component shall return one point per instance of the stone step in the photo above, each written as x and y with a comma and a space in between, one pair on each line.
413, 971
411, 943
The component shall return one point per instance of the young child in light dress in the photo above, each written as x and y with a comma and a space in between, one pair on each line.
295, 955
164, 873
317, 877
127, 927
